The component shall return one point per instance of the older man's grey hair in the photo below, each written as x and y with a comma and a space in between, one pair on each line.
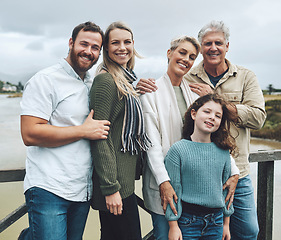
214, 26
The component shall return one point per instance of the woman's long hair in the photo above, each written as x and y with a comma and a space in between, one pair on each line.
222, 137
124, 87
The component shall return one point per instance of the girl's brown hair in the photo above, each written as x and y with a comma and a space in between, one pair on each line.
222, 137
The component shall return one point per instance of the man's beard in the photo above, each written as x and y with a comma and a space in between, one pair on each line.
74, 58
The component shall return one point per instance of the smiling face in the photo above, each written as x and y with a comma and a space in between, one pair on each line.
84, 52
207, 119
214, 49
181, 59
120, 46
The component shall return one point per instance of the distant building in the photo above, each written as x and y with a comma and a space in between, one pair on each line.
9, 88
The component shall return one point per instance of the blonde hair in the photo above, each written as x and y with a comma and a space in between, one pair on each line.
123, 86
176, 42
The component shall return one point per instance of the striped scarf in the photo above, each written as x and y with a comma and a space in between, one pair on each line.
134, 138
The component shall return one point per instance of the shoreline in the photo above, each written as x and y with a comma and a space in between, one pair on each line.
12, 95
266, 139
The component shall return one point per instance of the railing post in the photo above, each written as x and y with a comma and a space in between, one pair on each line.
265, 199
13, 217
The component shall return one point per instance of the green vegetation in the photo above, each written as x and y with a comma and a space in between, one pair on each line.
272, 125
270, 89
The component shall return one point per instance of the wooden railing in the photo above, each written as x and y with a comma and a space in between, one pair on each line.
265, 182
18, 175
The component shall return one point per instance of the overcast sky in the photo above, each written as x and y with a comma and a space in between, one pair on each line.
34, 33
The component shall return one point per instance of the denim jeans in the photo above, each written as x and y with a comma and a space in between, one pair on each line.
160, 226
209, 227
52, 217
244, 222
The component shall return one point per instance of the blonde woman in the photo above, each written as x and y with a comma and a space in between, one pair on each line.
113, 98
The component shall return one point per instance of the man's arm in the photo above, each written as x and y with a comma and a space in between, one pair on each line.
37, 132
251, 110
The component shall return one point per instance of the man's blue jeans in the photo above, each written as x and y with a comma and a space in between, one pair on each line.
244, 221
209, 227
52, 217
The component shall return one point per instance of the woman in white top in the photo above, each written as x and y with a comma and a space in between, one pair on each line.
163, 114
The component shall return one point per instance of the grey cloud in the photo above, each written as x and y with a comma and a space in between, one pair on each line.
35, 46
254, 41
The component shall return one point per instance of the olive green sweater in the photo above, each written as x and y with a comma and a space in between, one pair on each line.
113, 170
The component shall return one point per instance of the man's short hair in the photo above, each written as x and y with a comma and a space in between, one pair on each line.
87, 26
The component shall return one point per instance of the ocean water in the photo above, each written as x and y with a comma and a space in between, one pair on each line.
12, 156
12, 148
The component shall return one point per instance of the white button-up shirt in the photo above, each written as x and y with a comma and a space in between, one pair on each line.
58, 95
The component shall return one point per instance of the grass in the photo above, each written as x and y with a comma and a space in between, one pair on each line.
14, 95
272, 125
272, 97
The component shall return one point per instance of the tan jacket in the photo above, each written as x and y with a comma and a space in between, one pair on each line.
239, 86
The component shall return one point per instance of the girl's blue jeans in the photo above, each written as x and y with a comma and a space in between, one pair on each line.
52, 217
209, 227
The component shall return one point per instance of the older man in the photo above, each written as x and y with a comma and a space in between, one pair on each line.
239, 86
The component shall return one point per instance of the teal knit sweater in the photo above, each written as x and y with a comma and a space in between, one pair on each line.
198, 172
113, 170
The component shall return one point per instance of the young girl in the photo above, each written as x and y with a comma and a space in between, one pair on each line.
113, 98
198, 166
